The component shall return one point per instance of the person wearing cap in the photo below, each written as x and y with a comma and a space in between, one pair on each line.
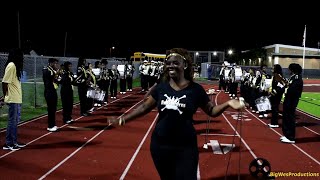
144, 73
174, 146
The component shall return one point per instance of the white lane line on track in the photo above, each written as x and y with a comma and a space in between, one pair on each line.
77, 150
239, 135
138, 149
294, 145
10, 152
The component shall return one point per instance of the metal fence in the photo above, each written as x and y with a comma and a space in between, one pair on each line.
32, 83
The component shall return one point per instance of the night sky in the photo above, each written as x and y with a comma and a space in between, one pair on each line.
91, 32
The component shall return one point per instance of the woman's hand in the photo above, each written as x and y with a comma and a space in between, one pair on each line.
236, 104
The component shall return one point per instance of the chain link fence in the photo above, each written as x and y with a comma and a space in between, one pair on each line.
32, 83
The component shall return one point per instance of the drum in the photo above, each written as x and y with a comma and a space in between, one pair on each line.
96, 71
91, 93
121, 69
237, 74
226, 74
99, 95
266, 84
263, 103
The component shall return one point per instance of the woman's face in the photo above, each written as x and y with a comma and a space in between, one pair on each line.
175, 66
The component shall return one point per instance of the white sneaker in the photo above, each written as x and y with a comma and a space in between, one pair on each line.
130, 89
265, 115
286, 140
273, 126
53, 129
70, 121
91, 110
260, 116
257, 112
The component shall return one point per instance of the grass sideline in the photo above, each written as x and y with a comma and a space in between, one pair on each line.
310, 103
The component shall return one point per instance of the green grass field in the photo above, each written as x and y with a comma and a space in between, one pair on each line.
34, 104
310, 103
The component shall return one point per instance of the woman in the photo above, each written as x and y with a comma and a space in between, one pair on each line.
174, 146
276, 91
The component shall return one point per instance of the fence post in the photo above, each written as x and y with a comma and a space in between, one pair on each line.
34, 81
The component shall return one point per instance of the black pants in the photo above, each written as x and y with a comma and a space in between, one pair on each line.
175, 162
52, 99
129, 82
105, 87
82, 91
275, 101
144, 82
222, 84
289, 122
122, 85
113, 88
67, 103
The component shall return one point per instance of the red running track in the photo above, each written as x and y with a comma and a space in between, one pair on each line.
113, 152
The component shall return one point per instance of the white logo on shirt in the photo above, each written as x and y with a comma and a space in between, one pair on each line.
173, 103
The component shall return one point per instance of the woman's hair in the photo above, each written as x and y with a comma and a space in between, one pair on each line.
277, 69
66, 65
295, 68
81, 62
188, 72
16, 56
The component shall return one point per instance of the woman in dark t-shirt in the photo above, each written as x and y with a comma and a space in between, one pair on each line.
174, 147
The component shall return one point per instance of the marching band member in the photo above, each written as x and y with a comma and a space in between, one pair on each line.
92, 84
49, 76
129, 75
221, 78
276, 91
66, 92
291, 100
261, 90
81, 81
122, 71
153, 73
144, 72
97, 71
105, 80
114, 75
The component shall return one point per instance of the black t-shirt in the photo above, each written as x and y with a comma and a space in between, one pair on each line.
176, 109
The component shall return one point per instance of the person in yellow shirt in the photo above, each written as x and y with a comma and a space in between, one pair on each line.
11, 87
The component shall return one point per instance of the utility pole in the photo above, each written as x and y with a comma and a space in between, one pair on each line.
19, 38
65, 44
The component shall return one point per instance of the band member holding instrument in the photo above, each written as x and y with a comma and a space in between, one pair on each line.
81, 81
129, 76
66, 91
50, 80
276, 91
114, 75
291, 100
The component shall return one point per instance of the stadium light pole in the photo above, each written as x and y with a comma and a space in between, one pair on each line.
111, 49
